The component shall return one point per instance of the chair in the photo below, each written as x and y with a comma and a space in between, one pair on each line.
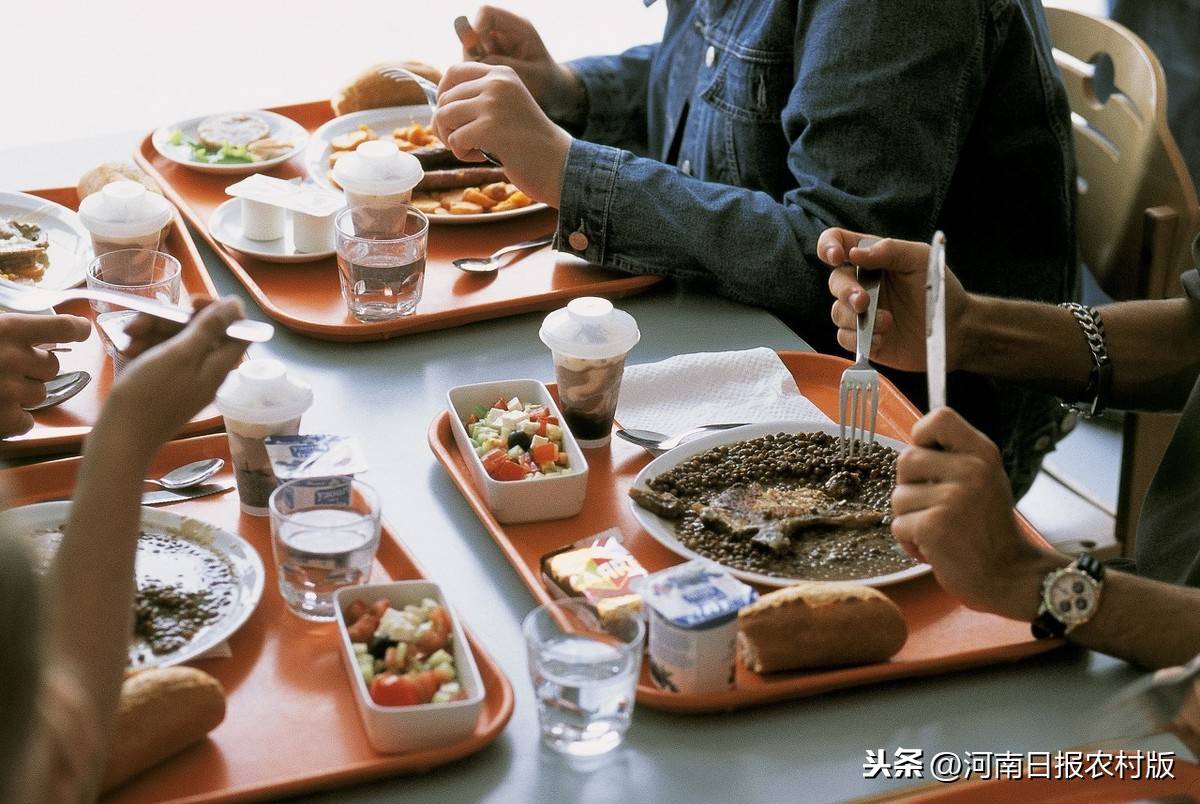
1137, 207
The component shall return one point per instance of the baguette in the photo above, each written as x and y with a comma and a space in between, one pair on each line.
109, 172
819, 624
161, 712
370, 90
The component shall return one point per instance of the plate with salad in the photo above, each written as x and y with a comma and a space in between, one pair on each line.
232, 143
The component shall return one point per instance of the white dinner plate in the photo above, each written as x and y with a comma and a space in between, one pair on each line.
244, 564
663, 530
383, 122
226, 227
182, 155
70, 244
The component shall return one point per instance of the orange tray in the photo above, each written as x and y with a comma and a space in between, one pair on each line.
63, 427
944, 635
1184, 787
291, 724
306, 297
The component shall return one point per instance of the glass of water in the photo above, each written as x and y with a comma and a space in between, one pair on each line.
584, 675
381, 275
138, 272
324, 533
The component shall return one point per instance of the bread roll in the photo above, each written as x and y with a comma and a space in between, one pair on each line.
819, 624
109, 172
161, 712
370, 90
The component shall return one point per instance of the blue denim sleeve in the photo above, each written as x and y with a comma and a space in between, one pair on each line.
878, 110
616, 90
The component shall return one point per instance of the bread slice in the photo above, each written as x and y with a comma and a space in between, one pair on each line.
370, 90
819, 624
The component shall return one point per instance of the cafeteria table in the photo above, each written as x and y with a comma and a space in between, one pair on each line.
387, 392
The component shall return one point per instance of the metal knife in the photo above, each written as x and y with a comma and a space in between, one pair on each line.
1148, 705
935, 322
165, 497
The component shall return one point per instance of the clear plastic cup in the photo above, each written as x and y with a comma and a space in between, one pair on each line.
589, 340
378, 180
138, 272
324, 534
584, 675
125, 215
382, 277
259, 399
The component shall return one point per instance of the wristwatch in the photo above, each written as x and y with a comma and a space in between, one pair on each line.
1070, 596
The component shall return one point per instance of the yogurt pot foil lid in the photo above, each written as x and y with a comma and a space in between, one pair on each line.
698, 594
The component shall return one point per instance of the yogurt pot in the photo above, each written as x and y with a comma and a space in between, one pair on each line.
259, 399
589, 340
125, 215
378, 180
692, 609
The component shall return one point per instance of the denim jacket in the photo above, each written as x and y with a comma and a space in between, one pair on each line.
721, 153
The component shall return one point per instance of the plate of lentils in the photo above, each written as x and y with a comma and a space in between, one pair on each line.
778, 503
196, 584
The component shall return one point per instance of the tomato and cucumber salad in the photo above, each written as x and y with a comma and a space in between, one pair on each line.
517, 440
405, 655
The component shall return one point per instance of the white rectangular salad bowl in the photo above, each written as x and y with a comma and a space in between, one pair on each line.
534, 499
395, 729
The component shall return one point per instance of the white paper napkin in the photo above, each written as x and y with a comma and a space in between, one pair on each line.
711, 388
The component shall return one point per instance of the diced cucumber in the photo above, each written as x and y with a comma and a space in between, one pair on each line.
440, 657
359, 648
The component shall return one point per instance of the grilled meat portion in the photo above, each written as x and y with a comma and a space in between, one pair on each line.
22, 249
663, 503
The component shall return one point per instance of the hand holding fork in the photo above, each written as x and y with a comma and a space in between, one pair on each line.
858, 394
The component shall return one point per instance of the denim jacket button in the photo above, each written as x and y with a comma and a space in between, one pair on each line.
578, 241
710, 56
686, 167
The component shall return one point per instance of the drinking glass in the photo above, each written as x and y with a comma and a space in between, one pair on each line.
324, 533
381, 275
584, 675
137, 272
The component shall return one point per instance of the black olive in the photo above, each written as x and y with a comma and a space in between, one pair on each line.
378, 646
520, 438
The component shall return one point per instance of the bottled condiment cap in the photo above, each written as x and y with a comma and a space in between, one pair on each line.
378, 167
124, 209
590, 328
262, 392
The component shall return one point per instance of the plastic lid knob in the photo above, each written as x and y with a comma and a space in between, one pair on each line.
263, 376
122, 197
377, 152
589, 309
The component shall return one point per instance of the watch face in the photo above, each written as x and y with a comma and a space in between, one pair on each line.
1071, 596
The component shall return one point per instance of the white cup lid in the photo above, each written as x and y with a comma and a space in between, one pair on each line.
378, 167
262, 392
124, 209
590, 328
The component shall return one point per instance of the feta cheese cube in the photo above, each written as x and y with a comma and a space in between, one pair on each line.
514, 404
493, 416
538, 441
514, 419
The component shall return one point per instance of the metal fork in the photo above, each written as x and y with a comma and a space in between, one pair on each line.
402, 75
858, 394
22, 298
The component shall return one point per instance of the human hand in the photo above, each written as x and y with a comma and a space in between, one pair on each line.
487, 108
952, 508
512, 41
176, 373
1187, 723
899, 339
24, 368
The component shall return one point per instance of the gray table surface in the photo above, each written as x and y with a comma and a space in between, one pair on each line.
813, 750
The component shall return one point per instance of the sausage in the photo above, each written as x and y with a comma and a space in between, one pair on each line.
460, 177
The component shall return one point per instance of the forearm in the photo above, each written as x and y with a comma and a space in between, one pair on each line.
92, 580
646, 217
1149, 623
1151, 344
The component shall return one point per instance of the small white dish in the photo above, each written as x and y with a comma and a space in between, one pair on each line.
70, 248
663, 530
514, 501
182, 155
226, 227
383, 122
395, 729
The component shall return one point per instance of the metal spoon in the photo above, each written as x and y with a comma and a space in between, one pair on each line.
659, 443
62, 388
190, 474
486, 265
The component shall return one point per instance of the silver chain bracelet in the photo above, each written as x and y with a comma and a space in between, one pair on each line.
1094, 398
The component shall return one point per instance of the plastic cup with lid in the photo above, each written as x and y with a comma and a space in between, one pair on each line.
259, 399
378, 179
589, 340
125, 215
